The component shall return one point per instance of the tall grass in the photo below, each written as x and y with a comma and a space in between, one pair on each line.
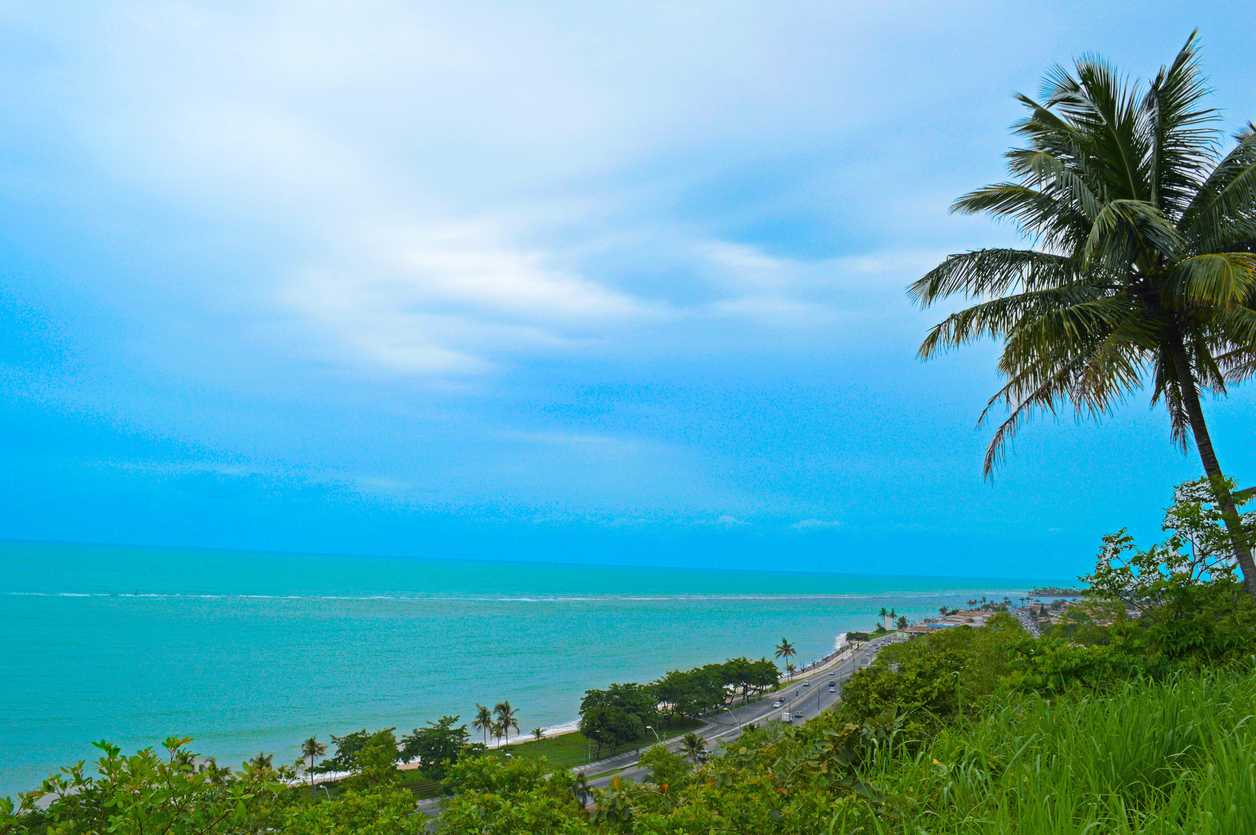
1148, 757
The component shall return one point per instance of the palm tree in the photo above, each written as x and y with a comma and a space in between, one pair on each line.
790, 669
1141, 264
538, 733
483, 721
506, 719
694, 746
261, 762
311, 751
786, 650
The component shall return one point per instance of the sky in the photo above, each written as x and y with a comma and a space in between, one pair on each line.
593, 283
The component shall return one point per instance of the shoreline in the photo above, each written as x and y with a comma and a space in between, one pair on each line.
418, 684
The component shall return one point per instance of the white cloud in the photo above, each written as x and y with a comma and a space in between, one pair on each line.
816, 524
372, 485
444, 188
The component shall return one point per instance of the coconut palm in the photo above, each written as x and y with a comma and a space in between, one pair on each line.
790, 669
261, 762
311, 751
483, 721
785, 650
1140, 268
538, 734
506, 719
694, 746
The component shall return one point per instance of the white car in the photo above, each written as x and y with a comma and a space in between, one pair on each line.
778, 703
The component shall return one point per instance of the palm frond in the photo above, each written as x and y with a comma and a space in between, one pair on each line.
1216, 279
1122, 227
1041, 216
1055, 177
1227, 198
999, 316
1182, 140
989, 272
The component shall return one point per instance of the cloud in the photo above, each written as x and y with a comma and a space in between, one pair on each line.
816, 524
372, 485
451, 192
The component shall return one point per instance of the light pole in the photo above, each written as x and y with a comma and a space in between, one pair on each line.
736, 724
657, 738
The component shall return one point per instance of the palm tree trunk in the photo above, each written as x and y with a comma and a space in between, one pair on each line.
1208, 456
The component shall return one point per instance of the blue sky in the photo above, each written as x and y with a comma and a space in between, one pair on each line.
582, 282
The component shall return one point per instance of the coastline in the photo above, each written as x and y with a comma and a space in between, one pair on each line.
331, 664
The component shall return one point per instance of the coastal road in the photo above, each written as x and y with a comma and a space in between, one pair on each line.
803, 699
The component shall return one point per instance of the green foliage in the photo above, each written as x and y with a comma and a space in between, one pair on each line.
179, 793
664, 768
618, 714
375, 763
494, 795
1175, 756
918, 685
437, 745
384, 811
1197, 551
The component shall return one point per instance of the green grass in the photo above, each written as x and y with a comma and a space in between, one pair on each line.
422, 787
571, 750
1176, 756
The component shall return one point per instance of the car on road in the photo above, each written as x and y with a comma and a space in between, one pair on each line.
778, 703
806, 684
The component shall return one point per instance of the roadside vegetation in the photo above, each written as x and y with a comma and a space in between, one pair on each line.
1135, 713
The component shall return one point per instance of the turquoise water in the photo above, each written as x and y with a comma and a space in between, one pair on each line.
254, 652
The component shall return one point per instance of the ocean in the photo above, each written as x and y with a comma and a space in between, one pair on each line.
251, 652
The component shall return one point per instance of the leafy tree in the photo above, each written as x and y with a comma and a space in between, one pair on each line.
437, 745
902, 622
376, 761
1197, 550
507, 718
492, 795
144, 793
347, 749
610, 726
748, 677
665, 769
618, 715
1144, 266
311, 751
692, 693
483, 721
786, 650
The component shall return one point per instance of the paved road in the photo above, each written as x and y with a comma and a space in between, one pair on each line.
1027, 621
804, 699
